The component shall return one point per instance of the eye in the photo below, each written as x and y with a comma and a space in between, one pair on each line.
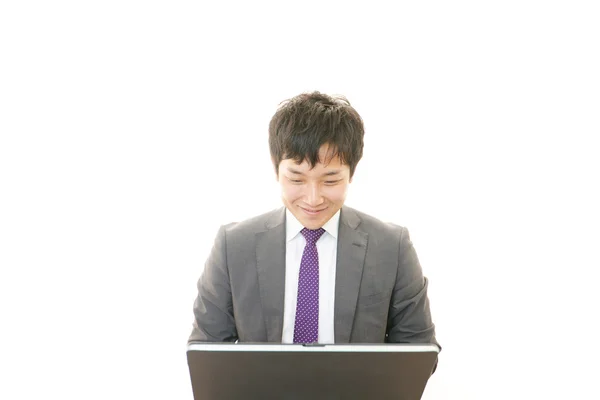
294, 180
332, 182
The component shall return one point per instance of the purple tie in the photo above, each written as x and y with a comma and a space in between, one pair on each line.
306, 328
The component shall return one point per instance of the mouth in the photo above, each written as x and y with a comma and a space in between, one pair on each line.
313, 212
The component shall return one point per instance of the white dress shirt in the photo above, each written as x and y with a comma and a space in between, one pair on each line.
327, 249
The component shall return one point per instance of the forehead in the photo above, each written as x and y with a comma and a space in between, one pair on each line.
326, 162
322, 166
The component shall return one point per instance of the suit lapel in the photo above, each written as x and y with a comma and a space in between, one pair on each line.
270, 265
352, 248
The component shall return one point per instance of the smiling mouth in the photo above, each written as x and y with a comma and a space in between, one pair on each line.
312, 212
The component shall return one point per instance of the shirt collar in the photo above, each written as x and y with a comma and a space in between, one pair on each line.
293, 226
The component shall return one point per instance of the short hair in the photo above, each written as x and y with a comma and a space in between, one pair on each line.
304, 123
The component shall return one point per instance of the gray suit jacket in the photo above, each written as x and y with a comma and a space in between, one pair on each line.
380, 291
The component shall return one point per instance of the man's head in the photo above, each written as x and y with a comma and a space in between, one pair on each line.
316, 141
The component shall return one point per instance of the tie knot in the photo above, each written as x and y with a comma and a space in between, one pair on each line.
312, 235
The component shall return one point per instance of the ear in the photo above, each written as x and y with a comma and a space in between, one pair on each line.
276, 169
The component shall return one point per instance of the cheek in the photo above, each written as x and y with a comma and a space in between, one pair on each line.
290, 192
337, 194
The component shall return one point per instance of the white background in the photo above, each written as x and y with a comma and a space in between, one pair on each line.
130, 130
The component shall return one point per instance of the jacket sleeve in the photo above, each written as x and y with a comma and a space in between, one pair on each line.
409, 318
213, 308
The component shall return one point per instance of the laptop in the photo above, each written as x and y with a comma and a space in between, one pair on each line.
310, 371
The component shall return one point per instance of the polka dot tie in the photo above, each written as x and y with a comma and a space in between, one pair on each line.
306, 328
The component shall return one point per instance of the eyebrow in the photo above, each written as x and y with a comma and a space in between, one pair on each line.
329, 173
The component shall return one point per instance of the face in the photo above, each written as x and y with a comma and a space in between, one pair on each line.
314, 195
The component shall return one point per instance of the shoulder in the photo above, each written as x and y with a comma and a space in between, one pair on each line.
257, 223
373, 225
384, 237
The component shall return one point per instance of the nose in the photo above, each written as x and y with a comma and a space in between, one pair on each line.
314, 197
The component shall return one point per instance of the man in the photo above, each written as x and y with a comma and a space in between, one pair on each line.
314, 270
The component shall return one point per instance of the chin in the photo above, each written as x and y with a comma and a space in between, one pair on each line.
313, 225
